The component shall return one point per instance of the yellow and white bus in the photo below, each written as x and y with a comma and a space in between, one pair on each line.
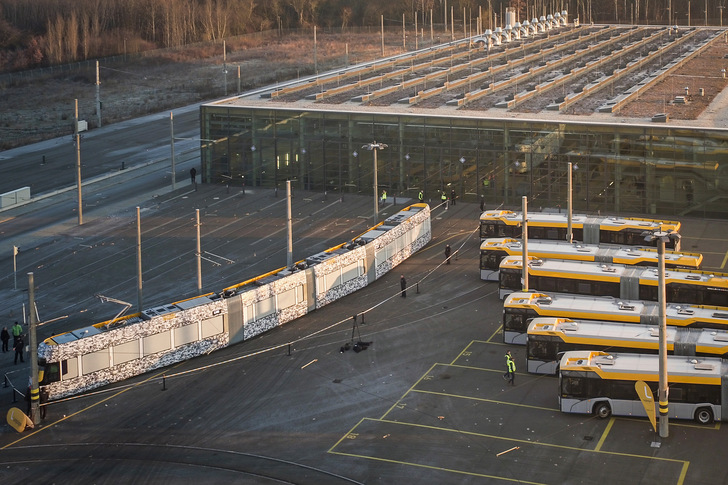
522, 307
617, 280
584, 228
494, 250
592, 382
550, 337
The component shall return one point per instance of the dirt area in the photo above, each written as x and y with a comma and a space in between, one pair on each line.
701, 72
41, 106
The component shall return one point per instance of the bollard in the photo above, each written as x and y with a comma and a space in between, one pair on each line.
5, 381
362, 319
164, 383
418, 288
289, 350
15, 395
122, 165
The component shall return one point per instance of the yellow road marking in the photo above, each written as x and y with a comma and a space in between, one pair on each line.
82, 410
483, 399
500, 328
685, 464
396, 404
604, 434
463, 352
430, 467
722, 265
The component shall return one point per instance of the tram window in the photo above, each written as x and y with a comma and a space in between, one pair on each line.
182, 335
51, 373
69, 369
350, 272
287, 299
125, 352
95, 361
158, 342
265, 307
212, 326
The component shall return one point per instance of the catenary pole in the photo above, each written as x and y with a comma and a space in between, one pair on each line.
139, 260
34, 391
289, 252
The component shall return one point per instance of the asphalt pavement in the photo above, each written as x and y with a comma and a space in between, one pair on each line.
424, 403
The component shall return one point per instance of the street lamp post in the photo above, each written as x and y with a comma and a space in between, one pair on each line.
661, 238
374, 146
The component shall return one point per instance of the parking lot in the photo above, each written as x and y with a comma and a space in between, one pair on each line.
424, 403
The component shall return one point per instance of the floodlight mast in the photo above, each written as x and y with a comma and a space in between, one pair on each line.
661, 238
374, 146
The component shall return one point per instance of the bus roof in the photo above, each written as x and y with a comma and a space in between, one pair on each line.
707, 370
625, 334
606, 272
578, 220
543, 248
612, 309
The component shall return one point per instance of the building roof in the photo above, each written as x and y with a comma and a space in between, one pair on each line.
569, 73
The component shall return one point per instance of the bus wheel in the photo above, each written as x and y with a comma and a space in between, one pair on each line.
603, 410
704, 416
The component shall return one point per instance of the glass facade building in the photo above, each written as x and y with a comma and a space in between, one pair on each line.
618, 167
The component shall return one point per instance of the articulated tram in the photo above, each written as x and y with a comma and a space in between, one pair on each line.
118, 349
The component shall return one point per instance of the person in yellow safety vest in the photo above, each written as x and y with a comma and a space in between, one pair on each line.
510, 375
384, 196
443, 197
